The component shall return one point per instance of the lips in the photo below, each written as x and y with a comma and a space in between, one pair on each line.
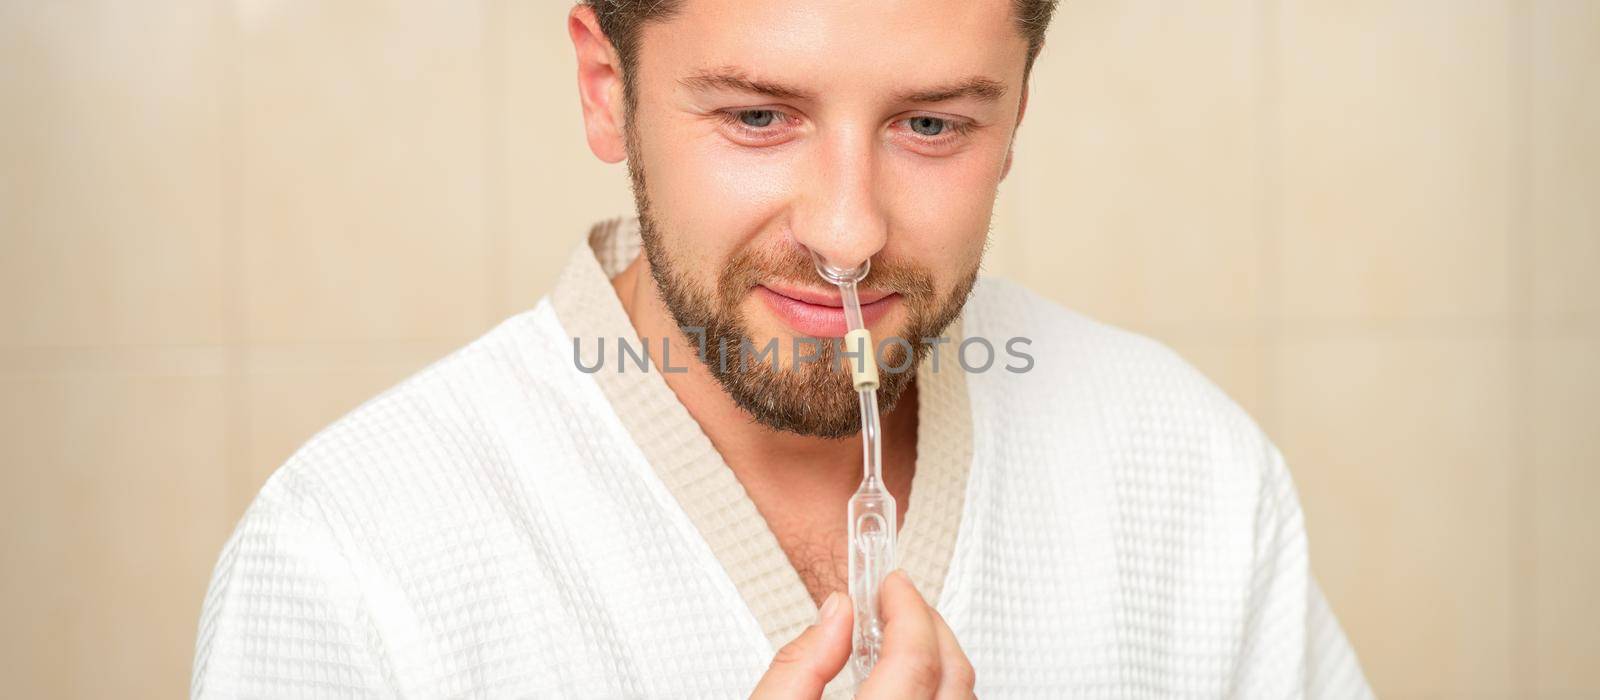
824, 296
819, 313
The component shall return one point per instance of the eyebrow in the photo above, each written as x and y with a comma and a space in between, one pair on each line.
976, 87
736, 79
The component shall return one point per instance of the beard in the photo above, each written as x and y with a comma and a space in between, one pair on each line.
806, 398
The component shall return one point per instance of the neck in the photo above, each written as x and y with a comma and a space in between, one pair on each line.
797, 468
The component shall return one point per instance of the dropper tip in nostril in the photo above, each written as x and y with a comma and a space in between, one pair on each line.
839, 275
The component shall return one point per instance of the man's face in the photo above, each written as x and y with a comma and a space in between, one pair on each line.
858, 130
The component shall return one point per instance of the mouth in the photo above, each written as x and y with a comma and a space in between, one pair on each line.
819, 312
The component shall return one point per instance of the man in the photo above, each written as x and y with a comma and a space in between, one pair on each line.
1082, 514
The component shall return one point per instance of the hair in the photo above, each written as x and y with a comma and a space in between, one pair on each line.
622, 20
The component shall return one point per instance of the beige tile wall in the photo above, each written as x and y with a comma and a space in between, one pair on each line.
1375, 224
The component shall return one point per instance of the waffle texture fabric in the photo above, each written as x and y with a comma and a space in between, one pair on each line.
1107, 524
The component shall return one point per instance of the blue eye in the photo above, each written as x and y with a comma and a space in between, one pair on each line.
757, 117
928, 126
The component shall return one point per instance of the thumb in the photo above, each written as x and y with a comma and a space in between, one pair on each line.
805, 665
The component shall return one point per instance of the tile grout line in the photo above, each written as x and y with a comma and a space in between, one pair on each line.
1523, 569
235, 352
1269, 207
495, 163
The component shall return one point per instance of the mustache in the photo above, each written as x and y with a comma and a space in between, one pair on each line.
751, 267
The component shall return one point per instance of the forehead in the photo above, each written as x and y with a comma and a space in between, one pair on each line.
840, 44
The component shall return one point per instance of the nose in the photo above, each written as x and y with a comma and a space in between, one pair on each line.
838, 214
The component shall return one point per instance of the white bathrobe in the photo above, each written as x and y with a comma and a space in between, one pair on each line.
1107, 524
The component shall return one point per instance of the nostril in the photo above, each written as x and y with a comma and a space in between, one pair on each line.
836, 274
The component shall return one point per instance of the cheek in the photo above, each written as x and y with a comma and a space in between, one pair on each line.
709, 198
942, 212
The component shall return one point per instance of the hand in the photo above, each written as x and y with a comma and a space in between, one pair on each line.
920, 657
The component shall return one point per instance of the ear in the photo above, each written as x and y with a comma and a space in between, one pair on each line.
599, 85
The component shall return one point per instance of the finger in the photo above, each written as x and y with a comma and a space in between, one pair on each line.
908, 666
803, 667
957, 678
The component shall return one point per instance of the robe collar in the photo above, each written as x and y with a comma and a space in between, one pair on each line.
707, 490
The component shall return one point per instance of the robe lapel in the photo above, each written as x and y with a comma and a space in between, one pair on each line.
707, 490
